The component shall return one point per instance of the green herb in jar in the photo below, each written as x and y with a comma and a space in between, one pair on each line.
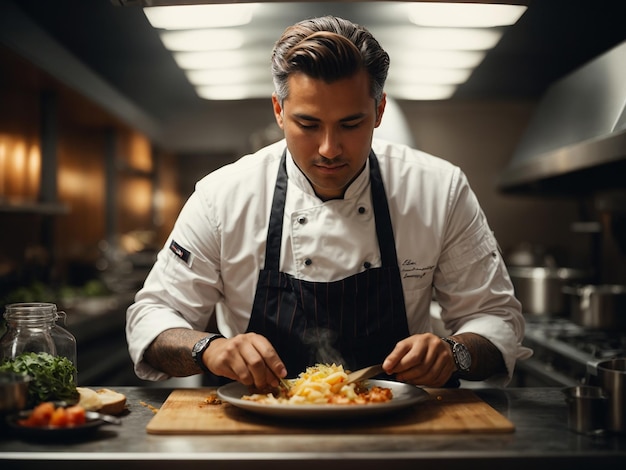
52, 376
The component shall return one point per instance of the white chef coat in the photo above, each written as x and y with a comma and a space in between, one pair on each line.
216, 249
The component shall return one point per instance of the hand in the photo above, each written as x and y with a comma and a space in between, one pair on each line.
247, 358
422, 359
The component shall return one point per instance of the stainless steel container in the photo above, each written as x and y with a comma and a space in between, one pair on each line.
13, 392
612, 379
540, 289
598, 306
587, 409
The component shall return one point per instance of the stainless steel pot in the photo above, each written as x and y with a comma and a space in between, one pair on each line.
600, 307
540, 289
587, 409
612, 379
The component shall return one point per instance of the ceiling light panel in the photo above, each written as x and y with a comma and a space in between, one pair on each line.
461, 39
235, 92
468, 15
419, 75
404, 56
223, 59
235, 75
421, 92
203, 39
200, 16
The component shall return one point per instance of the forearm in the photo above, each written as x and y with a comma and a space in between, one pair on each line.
486, 358
170, 352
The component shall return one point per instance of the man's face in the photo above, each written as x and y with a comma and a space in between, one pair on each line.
328, 128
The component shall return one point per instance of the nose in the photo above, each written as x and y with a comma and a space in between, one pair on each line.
330, 144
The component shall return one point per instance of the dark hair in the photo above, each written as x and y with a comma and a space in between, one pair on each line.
328, 48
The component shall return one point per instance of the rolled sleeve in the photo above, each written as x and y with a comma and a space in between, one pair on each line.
473, 287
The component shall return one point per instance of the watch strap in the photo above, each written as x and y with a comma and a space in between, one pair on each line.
198, 350
462, 365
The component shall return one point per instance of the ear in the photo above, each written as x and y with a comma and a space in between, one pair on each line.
380, 109
278, 110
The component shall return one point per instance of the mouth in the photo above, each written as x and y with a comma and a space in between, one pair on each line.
330, 169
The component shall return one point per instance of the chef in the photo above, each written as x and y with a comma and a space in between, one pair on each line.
328, 246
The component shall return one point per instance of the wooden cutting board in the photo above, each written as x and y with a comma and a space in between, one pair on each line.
447, 411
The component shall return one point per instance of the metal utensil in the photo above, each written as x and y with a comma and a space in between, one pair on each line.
283, 382
92, 415
365, 373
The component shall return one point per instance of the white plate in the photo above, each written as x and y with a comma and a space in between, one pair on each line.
404, 395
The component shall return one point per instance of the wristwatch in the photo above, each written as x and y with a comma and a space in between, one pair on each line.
199, 348
462, 356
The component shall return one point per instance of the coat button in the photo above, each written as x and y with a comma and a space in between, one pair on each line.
367, 265
361, 210
308, 261
302, 220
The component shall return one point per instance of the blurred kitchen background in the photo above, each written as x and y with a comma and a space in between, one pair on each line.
103, 135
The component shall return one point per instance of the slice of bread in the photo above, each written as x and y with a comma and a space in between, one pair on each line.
103, 400
89, 399
113, 403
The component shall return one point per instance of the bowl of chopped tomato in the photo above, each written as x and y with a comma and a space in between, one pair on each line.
50, 419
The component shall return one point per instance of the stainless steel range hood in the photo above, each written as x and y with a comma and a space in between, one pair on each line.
576, 141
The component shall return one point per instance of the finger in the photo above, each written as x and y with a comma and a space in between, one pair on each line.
263, 362
392, 361
233, 359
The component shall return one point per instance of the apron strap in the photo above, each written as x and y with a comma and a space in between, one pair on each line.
275, 228
382, 217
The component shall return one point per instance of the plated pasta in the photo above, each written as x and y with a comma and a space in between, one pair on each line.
323, 384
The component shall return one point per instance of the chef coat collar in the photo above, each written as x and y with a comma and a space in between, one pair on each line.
354, 191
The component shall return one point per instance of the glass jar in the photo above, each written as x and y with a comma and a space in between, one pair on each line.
32, 327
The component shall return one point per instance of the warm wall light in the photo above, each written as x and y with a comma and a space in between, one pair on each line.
199, 16
469, 15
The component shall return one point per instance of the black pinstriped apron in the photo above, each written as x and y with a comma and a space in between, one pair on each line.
355, 321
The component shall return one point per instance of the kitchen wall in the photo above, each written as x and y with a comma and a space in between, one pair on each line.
108, 184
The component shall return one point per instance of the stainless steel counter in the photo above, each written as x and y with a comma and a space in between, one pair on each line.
539, 414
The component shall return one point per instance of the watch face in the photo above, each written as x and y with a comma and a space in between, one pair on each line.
199, 346
463, 357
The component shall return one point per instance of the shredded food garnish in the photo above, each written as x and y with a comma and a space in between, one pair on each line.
323, 384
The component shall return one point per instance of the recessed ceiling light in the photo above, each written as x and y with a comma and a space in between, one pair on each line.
230, 76
234, 92
421, 92
223, 59
199, 16
420, 75
460, 39
202, 39
436, 59
472, 15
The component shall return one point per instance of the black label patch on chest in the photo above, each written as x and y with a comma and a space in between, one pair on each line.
181, 252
